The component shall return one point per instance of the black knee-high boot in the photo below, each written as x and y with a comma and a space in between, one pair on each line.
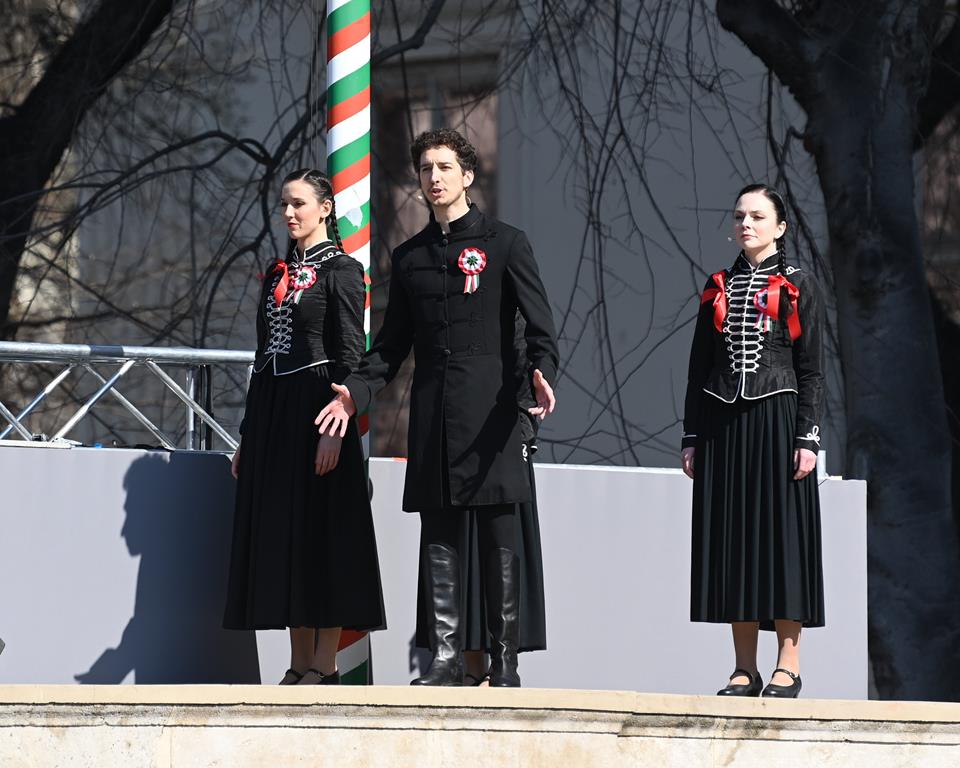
443, 592
502, 589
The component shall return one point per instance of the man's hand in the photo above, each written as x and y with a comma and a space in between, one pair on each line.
235, 464
546, 401
335, 416
328, 454
686, 460
804, 462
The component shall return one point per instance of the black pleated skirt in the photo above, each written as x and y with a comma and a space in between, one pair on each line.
533, 622
304, 552
756, 531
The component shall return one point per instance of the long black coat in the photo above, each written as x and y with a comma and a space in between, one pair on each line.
464, 387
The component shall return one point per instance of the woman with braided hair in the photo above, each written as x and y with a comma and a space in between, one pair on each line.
304, 554
751, 431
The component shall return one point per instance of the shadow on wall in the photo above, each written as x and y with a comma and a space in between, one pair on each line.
419, 658
179, 516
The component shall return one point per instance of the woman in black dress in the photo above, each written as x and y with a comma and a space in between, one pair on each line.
304, 554
751, 432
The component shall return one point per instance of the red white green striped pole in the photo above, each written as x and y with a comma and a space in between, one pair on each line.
348, 163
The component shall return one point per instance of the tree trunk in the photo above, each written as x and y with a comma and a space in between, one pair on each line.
897, 435
859, 76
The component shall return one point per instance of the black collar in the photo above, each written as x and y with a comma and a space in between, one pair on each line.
314, 252
742, 264
469, 219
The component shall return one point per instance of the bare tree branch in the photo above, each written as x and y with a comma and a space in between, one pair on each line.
34, 138
943, 90
776, 38
416, 40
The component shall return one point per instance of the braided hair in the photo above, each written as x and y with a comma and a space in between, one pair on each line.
323, 189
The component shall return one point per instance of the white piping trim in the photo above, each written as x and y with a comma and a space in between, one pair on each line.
747, 397
273, 359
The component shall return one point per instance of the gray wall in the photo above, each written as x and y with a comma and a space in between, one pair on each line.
113, 563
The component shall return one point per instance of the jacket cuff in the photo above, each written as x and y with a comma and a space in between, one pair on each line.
529, 426
359, 391
688, 441
549, 371
810, 440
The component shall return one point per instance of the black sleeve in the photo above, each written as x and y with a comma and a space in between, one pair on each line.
808, 364
540, 335
261, 326
529, 425
388, 351
701, 363
347, 296
261, 320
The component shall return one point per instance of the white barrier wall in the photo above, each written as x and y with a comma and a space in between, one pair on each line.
113, 564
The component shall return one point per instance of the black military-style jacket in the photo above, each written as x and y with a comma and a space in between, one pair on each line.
754, 356
322, 323
464, 429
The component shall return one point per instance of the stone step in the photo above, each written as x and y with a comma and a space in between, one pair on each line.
245, 726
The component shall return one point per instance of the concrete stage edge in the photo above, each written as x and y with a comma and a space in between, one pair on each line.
113, 563
253, 726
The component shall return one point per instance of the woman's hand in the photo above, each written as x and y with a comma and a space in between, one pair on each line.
328, 454
235, 464
686, 461
804, 462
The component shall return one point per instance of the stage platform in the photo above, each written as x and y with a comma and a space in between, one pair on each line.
254, 726
125, 552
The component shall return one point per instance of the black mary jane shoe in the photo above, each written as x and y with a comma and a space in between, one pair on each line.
472, 681
291, 677
314, 676
752, 688
784, 691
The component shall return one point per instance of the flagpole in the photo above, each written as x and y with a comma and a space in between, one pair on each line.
348, 164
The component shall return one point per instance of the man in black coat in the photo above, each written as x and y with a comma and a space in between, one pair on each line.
455, 291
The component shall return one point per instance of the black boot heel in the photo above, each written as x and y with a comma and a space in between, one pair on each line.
751, 689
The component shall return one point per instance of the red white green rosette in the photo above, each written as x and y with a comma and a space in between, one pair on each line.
472, 262
304, 278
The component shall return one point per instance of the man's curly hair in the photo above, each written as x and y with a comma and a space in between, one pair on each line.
444, 137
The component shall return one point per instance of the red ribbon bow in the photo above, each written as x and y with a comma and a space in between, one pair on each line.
281, 290
718, 296
776, 284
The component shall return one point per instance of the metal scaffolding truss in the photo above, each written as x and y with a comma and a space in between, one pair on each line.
82, 358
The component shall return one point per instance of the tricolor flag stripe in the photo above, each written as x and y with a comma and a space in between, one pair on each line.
349, 155
350, 201
349, 107
355, 241
346, 132
333, 5
348, 163
351, 84
342, 15
347, 37
348, 228
354, 59
352, 175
